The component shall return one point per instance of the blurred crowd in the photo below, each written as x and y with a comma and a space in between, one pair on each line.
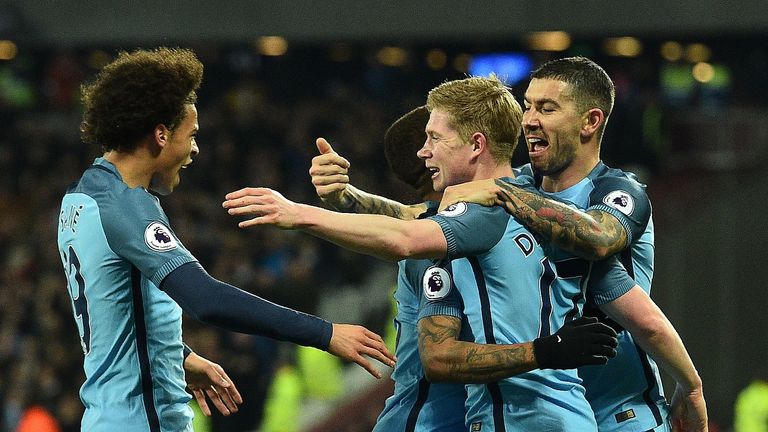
259, 117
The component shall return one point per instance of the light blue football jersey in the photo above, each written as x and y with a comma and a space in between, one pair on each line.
510, 294
117, 246
416, 404
626, 394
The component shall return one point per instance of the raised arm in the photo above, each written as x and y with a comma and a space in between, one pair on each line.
330, 177
445, 358
637, 313
379, 236
594, 234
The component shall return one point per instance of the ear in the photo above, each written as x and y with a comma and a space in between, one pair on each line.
161, 135
479, 144
592, 122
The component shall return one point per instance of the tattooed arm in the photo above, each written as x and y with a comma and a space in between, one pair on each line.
330, 177
354, 200
445, 358
594, 234
581, 342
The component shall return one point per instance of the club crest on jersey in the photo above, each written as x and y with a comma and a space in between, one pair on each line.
158, 237
436, 283
454, 210
621, 201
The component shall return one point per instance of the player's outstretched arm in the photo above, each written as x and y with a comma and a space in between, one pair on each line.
213, 302
594, 234
207, 379
351, 342
445, 358
636, 312
330, 176
379, 236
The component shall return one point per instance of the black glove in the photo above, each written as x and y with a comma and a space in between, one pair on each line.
583, 341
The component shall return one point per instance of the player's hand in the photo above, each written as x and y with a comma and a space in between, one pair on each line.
350, 342
689, 410
329, 175
483, 192
206, 378
268, 207
583, 341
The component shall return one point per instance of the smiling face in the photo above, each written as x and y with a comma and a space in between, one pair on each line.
446, 155
552, 125
177, 152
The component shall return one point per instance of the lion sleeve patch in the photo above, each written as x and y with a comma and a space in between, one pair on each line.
436, 283
621, 201
158, 237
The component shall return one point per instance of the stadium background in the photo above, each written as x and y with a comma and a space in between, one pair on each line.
691, 119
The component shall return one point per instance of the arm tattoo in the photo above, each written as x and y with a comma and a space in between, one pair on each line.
357, 201
592, 235
470, 362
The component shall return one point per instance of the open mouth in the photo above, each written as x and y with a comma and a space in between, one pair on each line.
537, 145
433, 171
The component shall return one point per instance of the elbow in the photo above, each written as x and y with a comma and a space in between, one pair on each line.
652, 329
599, 253
399, 248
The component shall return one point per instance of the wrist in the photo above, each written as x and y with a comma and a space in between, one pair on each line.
544, 351
187, 351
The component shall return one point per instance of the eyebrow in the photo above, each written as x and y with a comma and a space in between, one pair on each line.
542, 101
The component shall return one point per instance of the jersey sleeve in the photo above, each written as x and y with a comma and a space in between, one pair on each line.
624, 198
608, 281
438, 294
137, 229
471, 229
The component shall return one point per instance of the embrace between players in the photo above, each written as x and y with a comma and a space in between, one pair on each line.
491, 298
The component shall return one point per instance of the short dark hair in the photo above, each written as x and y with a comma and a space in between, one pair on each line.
135, 93
401, 142
590, 85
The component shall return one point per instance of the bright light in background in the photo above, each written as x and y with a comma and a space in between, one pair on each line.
697, 52
509, 67
461, 62
703, 72
272, 45
8, 50
671, 51
548, 41
623, 46
436, 59
392, 56
341, 53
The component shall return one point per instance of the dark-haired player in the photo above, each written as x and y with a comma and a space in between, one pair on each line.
130, 276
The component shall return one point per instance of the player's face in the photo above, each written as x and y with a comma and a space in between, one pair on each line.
445, 154
177, 153
552, 125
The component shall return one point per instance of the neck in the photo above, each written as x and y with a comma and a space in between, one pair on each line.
494, 171
133, 167
573, 174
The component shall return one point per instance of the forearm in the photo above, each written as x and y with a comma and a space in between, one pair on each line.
653, 332
664, 345
214, 302
354, 200
380, 236
447, 359
589, 235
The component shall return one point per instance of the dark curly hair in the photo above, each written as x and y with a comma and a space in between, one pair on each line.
135, 93
401, 142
